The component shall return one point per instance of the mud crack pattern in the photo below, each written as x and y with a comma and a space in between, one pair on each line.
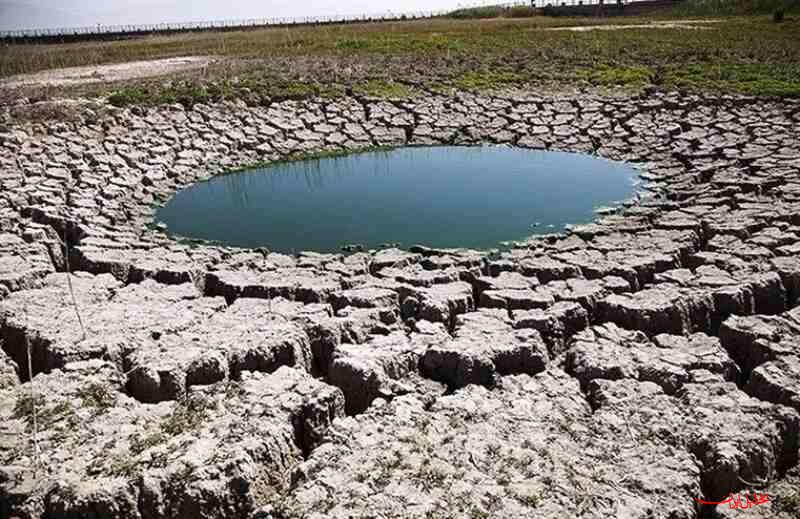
621, 369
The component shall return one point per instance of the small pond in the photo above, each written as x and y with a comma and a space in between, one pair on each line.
448, 196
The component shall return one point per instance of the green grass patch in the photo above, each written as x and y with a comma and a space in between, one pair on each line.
384, 89
188, 93
400, 42
47, 413
751, 79
130, 96
352, 44
185, 93
140, 443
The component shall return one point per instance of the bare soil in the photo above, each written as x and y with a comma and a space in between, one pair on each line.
107, 73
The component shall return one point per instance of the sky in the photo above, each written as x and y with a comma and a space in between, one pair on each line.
36, 14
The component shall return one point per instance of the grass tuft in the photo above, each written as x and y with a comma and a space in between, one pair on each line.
383, 89
30, 406
487, 80
187, 415
139, 444
97, 396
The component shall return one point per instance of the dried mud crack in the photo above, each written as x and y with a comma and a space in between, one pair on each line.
621, 369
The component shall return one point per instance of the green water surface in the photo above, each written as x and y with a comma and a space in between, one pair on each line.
448, 196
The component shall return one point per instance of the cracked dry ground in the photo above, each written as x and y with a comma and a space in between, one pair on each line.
622, 369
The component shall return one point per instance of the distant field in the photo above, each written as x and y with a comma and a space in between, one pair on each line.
748, 54
734, 7
687, 7
492, 11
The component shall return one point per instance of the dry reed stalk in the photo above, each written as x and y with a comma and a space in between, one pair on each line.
69, 284
34, 410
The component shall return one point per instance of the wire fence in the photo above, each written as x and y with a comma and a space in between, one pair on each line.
126, 30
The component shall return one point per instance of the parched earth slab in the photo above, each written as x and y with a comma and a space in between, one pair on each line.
393, 258
485, 345
248, 336
666, 309
735, 438
756, 339
439, 303
301, 284
385, 366
595, 265
504, 281
22, 265
325, 331
131, 265
676, 244
112, 319
768, 350
556, 325
366, 297
586, 292
516, 299
546, 269
174, 267
256, 338
467, 263
46, 316
611, 353
777, 381
222, 452
418, 276
358, 325
527, 449
108, 258
733, 293
165, 369
788, 267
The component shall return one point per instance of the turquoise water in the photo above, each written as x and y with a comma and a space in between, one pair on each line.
446, 196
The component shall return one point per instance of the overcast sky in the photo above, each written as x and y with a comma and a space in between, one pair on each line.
34, 14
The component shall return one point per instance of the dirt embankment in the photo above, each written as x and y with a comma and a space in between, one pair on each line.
107, 73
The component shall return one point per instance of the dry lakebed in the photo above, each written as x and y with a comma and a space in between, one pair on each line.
624, 367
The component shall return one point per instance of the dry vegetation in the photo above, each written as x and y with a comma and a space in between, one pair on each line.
747, 54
